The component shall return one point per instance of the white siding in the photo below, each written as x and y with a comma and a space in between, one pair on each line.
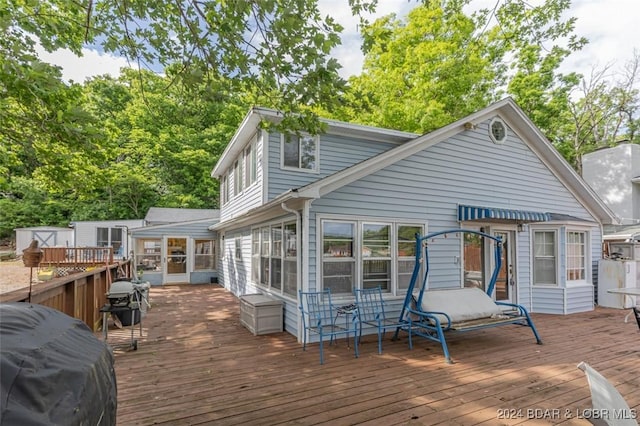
609, 172
45, 236
234, 272
86, 231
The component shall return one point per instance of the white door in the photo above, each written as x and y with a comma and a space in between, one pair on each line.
176, 265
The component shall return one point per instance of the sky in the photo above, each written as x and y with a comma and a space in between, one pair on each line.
612, 27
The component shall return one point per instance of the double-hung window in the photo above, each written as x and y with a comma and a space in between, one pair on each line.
250, 161
264, 256
406, 253
204, 255
544, 257
276, 257
224, 191
376, 256
255, 255
237, 178
576, 256
339, 263
300, 152
290, 273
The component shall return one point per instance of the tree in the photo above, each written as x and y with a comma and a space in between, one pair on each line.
443, 63
604, 110
423, 73
162, 141
276, 48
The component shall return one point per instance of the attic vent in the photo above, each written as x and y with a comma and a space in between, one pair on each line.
497, 131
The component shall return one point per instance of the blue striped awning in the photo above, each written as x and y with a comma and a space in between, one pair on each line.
490, 213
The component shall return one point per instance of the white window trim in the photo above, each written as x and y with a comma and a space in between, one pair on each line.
506, 131
588, 280
252, 146
358, 221
556, 231
392, 258
269, 288
214, 247
224, 195
315, 170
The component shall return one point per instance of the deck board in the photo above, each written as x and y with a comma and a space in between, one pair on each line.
196, 364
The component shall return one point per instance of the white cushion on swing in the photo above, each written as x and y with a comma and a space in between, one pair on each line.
461, 304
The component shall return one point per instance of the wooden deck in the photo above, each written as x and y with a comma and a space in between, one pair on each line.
197, 365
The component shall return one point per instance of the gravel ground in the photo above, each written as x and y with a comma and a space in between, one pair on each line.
14, 275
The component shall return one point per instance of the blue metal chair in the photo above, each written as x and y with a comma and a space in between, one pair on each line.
371, 312
319, 317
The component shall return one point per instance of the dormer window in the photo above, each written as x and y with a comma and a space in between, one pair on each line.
300, 152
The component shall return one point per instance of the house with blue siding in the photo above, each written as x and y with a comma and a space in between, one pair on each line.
340, 210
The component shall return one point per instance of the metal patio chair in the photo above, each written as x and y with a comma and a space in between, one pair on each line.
319, 317
610, 406
371, 312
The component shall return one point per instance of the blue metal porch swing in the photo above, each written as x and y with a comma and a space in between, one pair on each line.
434, 312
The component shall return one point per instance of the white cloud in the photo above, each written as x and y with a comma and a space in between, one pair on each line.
90, 64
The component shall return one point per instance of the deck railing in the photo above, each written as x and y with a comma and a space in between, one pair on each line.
80, 295
66, 256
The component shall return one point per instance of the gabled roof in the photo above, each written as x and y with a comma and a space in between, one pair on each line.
162, 215
210, 221
507, 109
517, 120
256, 115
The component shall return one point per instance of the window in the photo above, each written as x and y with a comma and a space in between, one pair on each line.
276, 257
110, 237
148, 253
376, 256
238, 180
338, 266
264, 257
238, 248
103, 237
274, 261
385, 255
544, 257
290, 273
406, 252
255, 256
497, 131
224, 193
250, 164
300, 152
116, 241
204, 255
576, 256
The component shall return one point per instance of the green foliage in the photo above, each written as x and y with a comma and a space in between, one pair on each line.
423, 73
442, 63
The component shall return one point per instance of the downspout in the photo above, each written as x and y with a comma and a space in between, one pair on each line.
300, 265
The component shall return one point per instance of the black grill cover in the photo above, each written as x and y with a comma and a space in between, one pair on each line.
53, 370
